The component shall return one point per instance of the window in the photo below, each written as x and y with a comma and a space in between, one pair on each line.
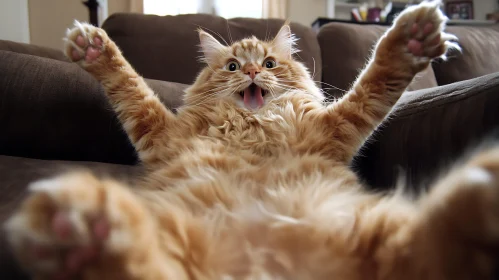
170, 7
239, 8
223, 8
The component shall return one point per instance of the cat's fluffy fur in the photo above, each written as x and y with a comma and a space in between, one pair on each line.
234, 193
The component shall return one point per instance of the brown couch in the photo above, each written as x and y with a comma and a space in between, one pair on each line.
54, 116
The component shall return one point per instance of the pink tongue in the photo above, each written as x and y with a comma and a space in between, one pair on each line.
253, 99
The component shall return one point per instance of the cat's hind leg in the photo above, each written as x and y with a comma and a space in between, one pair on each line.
458, 231
407, 48
143, 116
76, 226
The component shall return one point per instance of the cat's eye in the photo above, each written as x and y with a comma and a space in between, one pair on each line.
270, 63
232, 66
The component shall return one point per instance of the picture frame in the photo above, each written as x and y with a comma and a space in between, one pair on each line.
459, 10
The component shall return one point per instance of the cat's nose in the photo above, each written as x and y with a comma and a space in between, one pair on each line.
252, 73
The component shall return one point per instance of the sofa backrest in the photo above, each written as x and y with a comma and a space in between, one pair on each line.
345, 49
480, 54
166, 47
51, 109
30, 49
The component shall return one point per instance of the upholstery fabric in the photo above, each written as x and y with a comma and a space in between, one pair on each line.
51, 109
429, 130
480, 54
345, 49
166, 47
32, 49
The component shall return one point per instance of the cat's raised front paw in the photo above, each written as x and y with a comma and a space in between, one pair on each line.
70, 223
419, 30
85, 42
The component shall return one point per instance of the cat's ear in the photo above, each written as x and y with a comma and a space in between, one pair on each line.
210, 47
285, 42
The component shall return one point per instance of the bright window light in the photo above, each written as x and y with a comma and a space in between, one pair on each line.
170, 7
223, 8
239, 8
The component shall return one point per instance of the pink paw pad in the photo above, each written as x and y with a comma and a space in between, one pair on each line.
75, 258
62, 227
417, 45
92, 52
80, 41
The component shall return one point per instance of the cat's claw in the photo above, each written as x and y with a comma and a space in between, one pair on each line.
84, 42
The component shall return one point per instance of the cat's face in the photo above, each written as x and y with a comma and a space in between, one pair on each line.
250, 72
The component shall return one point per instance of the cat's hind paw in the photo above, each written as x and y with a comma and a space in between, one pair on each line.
85, 42
467, 200
71, 222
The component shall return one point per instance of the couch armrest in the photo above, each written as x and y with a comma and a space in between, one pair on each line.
429, 129
32, 50
51, 109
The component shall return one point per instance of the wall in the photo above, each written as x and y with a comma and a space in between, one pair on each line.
49, 19
305, 12
116, 6
14, 20
125, 6
484, 7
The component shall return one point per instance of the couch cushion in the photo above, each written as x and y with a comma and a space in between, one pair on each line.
166, 47
428, 130
15, 175
345, 49
480, 56
51, 109
33, 50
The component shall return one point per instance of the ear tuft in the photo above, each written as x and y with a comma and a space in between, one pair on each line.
285, 42
210, 46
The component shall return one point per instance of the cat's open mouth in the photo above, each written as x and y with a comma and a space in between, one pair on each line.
253, 96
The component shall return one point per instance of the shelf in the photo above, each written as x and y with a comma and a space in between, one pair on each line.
346, 5
470, 22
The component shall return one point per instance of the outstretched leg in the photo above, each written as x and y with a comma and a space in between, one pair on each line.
458, 231
79, 227
143, 116
405, 49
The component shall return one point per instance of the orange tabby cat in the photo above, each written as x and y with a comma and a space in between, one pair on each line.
250, 179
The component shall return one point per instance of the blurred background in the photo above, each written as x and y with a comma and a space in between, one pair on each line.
43, 22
